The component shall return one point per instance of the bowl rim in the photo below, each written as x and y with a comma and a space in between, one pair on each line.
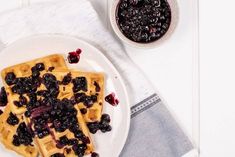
174, 23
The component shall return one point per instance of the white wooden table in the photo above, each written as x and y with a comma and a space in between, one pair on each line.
172, 67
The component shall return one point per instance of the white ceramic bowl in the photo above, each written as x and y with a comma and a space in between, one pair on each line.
174, 21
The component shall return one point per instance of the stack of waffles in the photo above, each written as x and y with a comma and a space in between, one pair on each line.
49, 107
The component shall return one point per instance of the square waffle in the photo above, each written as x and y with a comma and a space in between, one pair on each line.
24, 69
47, 146
8, 131
95, 87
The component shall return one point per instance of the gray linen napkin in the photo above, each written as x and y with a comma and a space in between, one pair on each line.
153, 130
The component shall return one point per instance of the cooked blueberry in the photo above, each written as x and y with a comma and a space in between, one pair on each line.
10, 78
50, 81
105, 118
97, 87
22, 100
74, 57
24, 85
58, 155
40, 135
35, 74
24, 134
111, 99
94, 154
78, 134
67, 79
83, 110
79, 97
64, 140
79, 149
12, 119
93, 127
88, 101
40, 66
17, 103
74, 128
105, 128
72, 141
16, 141
51, 69
1, 112
27, 114
85, 139
3, 97
135, 19
79, 83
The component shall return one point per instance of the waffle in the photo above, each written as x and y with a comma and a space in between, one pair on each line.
47, 145
24, 70
6, 136
94, 112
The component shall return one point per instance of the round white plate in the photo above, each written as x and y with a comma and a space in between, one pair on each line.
109, 144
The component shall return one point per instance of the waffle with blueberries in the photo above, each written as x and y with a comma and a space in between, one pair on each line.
51, 110
14, 134
18, 86
87, 91
56, 119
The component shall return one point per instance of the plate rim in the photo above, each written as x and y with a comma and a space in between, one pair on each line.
76, 38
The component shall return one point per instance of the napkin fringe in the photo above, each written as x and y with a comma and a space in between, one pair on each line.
144, 105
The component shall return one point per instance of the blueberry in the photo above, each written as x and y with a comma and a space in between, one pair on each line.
67, 79
12, 119
79, 83
94, 154
58, 155
16, 141
64, 140
10, 78
24, 135
79, 149
1, 112
17, 103
85, 139
35, 74
40, 66
105, 118
73, 141
93, 127
50, 69
40, 135
3, 97
74, 57
78, 134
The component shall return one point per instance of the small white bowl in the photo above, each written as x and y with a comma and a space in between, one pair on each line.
174, 21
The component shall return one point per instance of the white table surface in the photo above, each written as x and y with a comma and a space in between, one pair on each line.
172, 67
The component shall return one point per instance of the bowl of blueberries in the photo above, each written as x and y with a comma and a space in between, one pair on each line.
144, 23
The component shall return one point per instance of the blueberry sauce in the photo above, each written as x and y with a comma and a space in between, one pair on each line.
111, 99
143, 21
74, 56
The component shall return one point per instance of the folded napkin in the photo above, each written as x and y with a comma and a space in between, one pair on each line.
153, 130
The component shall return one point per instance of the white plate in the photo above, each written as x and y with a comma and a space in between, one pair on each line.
108, 144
